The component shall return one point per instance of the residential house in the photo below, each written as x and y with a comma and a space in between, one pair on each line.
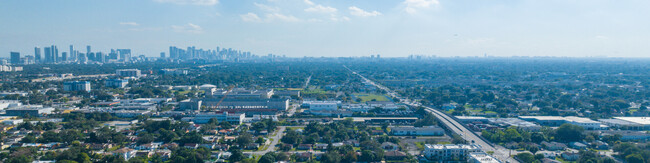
553, 146
388, 146
395, 155
570, 156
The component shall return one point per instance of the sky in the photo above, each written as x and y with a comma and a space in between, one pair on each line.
297, 28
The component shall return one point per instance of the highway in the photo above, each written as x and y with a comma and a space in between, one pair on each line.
500, 153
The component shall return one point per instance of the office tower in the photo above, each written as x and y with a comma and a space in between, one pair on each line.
72, 54
82, 57
90, 56
125, 54
37, 54
88, 49
54, 54
64, 56
15, 58
162, 54
48, 54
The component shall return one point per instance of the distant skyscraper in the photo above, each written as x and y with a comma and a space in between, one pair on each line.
72, 54
48, 54
15, 58
37, 54
88, 49
64, 56
56, 54
162, 54
125, 54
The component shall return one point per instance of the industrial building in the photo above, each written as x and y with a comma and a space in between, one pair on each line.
585, 123
418, 131
507, 122
628, 123
227, 103
202, 118
31, 110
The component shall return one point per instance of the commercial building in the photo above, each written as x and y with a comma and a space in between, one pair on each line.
445, 152
507, 122
481, 157
173, 72
307, 104
9, 104
418, 131
381, 119
190, 104
240, 93
323, 106
31, 110
15, 58
629, 123
76, 86
116, 83
227, 103
128, 73
202, 118
472, 119
585, 123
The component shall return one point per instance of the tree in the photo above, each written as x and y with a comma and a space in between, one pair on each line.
569, 133
267, 158
236, 155
244, 139
526, 157
634, 158
331, 157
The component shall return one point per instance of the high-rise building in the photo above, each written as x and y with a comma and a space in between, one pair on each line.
125, 54
48, 54
100, 57
72, 54
162, 54
64, 56
15, 58
76, 86
88, 49
55, 56
37, 54
82, 57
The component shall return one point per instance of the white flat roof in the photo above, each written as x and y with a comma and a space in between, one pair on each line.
638, 120
559, 118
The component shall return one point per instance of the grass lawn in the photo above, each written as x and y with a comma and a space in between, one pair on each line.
365, 97
314, 91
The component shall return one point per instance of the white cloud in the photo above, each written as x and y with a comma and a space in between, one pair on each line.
601, 37
266, 7
412, 6
129, 23
342, 18
281, 17
192, 2
250, 17
321, 9
361, 13
308, 2
189, 28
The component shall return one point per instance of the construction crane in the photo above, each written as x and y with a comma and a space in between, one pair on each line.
224, 96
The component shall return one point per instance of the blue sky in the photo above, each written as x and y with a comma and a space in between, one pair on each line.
392, 28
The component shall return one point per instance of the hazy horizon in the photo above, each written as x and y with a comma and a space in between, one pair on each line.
316, 28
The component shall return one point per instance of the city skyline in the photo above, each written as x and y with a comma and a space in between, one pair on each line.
314, 28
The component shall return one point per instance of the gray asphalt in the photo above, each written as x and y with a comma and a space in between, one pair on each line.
500, 153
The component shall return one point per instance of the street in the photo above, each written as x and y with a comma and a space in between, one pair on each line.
500, 153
